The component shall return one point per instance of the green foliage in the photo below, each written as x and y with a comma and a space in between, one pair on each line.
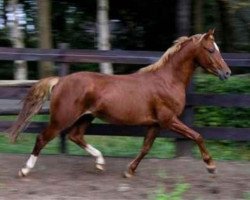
84, 67
217, 116
176, 194
228, 117
226, 150
206, 83
247, 196
77, 20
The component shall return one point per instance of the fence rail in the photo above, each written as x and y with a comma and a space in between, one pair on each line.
98, 56
11, 93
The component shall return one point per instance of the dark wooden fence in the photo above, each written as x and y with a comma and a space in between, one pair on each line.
11, 94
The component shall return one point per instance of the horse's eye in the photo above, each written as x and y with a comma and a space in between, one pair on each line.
210, 50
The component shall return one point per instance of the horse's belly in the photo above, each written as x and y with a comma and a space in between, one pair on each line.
128, 120
126, 113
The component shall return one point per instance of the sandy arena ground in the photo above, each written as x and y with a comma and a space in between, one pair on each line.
64, 177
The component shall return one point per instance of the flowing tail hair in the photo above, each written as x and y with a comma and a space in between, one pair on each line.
32, 104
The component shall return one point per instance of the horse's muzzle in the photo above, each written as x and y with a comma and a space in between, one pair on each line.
224, 75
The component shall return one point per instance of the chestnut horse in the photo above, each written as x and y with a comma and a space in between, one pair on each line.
153, 97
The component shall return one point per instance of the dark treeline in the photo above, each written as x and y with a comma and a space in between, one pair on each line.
134, 24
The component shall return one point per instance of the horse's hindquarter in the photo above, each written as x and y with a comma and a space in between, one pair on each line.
70, 99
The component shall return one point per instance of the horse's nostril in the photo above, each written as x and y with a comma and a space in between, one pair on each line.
228, 73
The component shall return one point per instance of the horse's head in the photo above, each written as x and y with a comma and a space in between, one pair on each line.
209, 56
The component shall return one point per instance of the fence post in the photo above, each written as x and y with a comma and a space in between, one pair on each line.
63, 67
63, 70
184, 146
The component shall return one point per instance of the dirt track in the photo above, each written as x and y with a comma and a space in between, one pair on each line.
74, 177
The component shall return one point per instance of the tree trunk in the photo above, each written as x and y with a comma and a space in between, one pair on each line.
183, 15
226, 25
45, 39
103, 33
16, 37
183, 18
198, 16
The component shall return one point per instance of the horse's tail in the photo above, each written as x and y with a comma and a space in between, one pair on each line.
32, 103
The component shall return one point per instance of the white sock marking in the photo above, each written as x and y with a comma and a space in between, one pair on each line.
96, 153
29, 165
31, 162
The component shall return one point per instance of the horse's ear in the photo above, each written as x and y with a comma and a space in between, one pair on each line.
205, 36
211, 31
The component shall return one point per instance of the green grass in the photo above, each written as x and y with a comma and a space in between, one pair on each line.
109, 146
36, 118
25, 145
247, 195
126, 146
129, 147
176, 194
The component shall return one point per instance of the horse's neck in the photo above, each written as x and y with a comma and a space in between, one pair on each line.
180, 67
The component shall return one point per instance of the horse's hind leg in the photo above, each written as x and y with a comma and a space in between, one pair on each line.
77, 136
42, 139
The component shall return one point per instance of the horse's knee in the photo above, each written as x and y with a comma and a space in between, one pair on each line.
198, 139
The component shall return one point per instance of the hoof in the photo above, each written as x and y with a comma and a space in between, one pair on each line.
211, 169
127, 174
100, 167
21, 173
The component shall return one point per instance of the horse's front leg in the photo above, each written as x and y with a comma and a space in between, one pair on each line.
176, 125
147, 144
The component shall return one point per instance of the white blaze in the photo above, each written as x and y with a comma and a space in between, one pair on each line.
216, 47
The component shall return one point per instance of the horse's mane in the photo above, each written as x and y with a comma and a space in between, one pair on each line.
176, 47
